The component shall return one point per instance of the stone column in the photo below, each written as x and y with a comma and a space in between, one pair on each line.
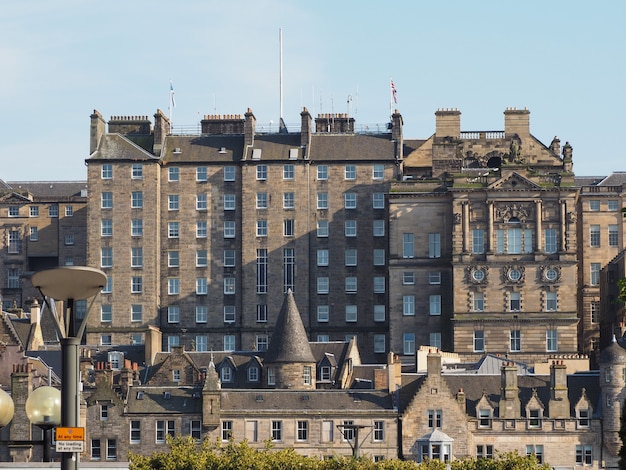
564, 227
489, 226
539, 226
466, 227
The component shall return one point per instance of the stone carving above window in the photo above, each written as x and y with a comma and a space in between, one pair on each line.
512, 211
513, 274
550, 274
477, 274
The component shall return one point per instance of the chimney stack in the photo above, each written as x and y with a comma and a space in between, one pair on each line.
559, 402
509, 393
448, 123
516, 121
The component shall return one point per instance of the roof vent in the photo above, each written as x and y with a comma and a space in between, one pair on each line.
256, 154
293, 154
140, 395
167, 395
196, 394
177, 150
222, 150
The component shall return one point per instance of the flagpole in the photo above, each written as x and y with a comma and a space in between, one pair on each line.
172, 104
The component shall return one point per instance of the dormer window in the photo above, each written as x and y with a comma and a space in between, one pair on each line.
534, 418
582, 415
253, 374
226, 374
325, 373
176, 375
484, 418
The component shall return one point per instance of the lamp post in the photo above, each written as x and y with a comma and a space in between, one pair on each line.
43, 408
69, 284
7, 408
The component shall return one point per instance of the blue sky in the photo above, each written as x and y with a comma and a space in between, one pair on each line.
563, 60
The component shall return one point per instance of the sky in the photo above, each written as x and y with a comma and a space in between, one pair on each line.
564, 60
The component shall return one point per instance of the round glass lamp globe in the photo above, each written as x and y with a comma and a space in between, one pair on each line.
43, 407
6, 408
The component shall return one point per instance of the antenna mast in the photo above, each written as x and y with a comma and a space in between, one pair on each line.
280, 42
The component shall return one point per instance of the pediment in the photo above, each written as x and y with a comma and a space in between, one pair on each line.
534, 402
15, 198
514, 181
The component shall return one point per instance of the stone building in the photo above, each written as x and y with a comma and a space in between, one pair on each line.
43, 226
483, 243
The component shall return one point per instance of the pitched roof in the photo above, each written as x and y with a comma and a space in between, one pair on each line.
289, 342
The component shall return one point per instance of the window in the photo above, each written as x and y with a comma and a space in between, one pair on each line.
229, 314
350, 228
478, 304
322, 285
108, 288
201, 202
226, 374
136, 313
289, 268
434, 339
594, 206
202, 286
408, 278
288, 172
323, 313
583, 415
379, 343
195, 429
229, 173
106, 257
322, 228
262, 342
351, 313
594, 235
378, 228
69, 239
96, 453
261, 313
229, 229
302, 431
435, 304
104, 412
14, 211
379, 257
322, 257
106, 228
277, 430
322, 200
351, 285
173, 259
136, 200
136, 256
478, 241
271, 376
202, 313
173, 286
106, 200
261, 200
229, 285
515, 302
595, 311
136, 229
15, 243
434, 245
253, 374
105, 340
408, 248
261, 271
434, 278
350, 172
434, 418
261, 228
176, 375
201, 258
229, 202
613, 205
261, 172
289, 200
379, 313
348, 430
325, 373
107, 171
349, 200
229, 258
227, 430
408, 343
551, 341
551, 302
173, 314
408, 305
202, 229
229, 342
173, 202
288, 228
378, 172
484, 417
378, 200
613, 235
34, 234
595, 274
549, 240
53, 210
173, 174
322, 172
479, 341
173, 229
201, 173
106, 313
323, 338
584, 455
34, 211
69, 261
534, 418
379, 285
135, 432
484, 451
307, 375
515, 340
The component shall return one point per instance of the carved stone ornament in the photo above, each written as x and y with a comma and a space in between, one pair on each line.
550, 274
513, 274
477, 274
513, 210
457, 218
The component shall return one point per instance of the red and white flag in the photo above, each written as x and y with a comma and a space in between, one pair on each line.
394, 92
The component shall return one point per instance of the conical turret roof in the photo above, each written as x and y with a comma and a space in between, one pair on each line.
289, 342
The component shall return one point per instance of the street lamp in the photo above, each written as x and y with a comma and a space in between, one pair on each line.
43, 408
7, 408
68, 284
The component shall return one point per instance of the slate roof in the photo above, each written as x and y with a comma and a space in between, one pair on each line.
613, 354
164, 400
357, 147
118, 147
51, 190
289, 343
206, 149
616, 178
